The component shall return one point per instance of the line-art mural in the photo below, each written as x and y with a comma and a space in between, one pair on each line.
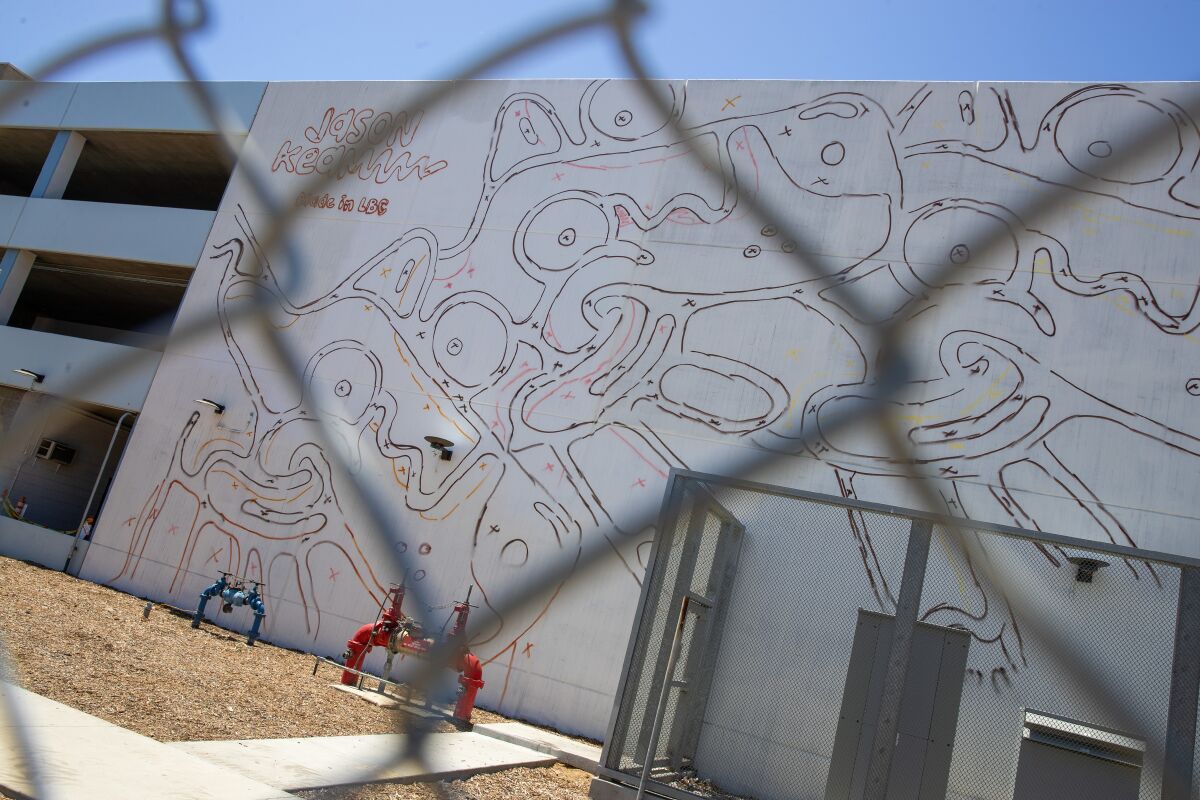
540, 274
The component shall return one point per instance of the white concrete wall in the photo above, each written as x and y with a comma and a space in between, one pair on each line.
109, 230
27, 542
158, 106
57, 492
557, 288
63, 359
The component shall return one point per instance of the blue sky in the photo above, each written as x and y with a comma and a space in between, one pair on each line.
865, 39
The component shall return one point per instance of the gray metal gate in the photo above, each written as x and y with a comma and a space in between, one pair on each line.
754, 704
682, 608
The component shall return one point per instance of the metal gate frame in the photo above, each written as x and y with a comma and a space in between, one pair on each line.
1180, 744
719, 584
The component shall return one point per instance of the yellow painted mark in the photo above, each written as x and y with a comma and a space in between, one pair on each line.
1091, 215
1121, 303
993, 391
431, 399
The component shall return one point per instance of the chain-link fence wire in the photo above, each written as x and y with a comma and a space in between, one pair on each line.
775, 704
1120, 622
779, 662
180, 20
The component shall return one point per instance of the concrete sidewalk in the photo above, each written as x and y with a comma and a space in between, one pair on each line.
571, 752
81, 757
322, 761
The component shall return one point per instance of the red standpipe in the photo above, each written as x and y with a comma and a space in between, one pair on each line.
370, 635
379, 634
373, 634
471, 681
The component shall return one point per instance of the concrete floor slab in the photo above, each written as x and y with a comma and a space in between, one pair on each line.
374, 698
571, 752
324, 761
81, 757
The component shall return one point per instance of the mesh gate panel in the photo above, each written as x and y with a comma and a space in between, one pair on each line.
1009, 670
788, 634
777, 661
684, 562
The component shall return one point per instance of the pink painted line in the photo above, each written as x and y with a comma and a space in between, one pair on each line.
753, 160
599, 367
664, 158
588, 166
652, 465
466, 261
517, 377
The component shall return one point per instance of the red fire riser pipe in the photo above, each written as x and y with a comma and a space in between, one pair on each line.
372, 634
471, 681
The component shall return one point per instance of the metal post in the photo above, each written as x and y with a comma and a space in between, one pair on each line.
1185, 690
907, 608
662, 698
95, 485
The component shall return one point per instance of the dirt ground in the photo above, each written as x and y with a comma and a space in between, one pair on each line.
89, 647
558, 782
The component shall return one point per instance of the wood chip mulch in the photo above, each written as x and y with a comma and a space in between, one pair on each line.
88, 646
557, 782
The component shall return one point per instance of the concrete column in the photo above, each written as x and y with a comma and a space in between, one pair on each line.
59, 164
51, 183
14, 270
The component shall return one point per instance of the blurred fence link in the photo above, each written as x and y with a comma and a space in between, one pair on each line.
179, 21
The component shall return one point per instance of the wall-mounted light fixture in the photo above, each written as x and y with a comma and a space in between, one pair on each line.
1087, 567
217, 408
28, 373
443, 446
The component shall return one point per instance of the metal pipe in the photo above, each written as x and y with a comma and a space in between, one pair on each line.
95, 485
662, 698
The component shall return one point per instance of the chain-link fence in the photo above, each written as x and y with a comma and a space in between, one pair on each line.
821, 656
999, 588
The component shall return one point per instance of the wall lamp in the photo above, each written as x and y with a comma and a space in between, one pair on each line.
216, 407
28, 373
1086, 567
443, 446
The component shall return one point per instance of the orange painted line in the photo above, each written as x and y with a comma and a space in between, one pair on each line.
243, 482
366, 562
396, 339
396, 475
207, 442
456, 505
436, 519
431, 399
408, 282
